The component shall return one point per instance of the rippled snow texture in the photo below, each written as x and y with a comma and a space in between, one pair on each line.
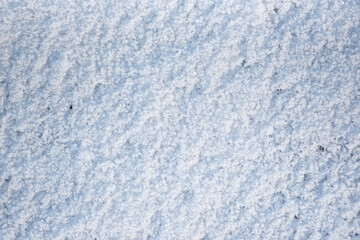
180, 119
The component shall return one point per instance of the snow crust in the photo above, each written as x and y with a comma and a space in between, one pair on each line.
180, 119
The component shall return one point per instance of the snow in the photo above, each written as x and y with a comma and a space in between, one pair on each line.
180, 119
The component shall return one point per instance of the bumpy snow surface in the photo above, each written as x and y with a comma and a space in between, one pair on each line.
180, 119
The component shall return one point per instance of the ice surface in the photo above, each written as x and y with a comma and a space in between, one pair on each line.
180, 119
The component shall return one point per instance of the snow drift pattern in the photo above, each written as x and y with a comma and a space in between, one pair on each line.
180, 119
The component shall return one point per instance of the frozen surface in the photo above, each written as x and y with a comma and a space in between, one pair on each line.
179, 119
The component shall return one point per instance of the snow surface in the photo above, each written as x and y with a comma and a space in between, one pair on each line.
180, 119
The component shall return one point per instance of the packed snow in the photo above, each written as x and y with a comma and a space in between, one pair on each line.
180, 119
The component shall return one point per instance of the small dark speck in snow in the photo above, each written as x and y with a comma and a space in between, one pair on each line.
70, 107
321, 148
7, 180
276, 10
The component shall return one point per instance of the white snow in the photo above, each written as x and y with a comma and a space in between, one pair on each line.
180, 119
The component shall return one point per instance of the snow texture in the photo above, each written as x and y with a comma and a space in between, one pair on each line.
180, 119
